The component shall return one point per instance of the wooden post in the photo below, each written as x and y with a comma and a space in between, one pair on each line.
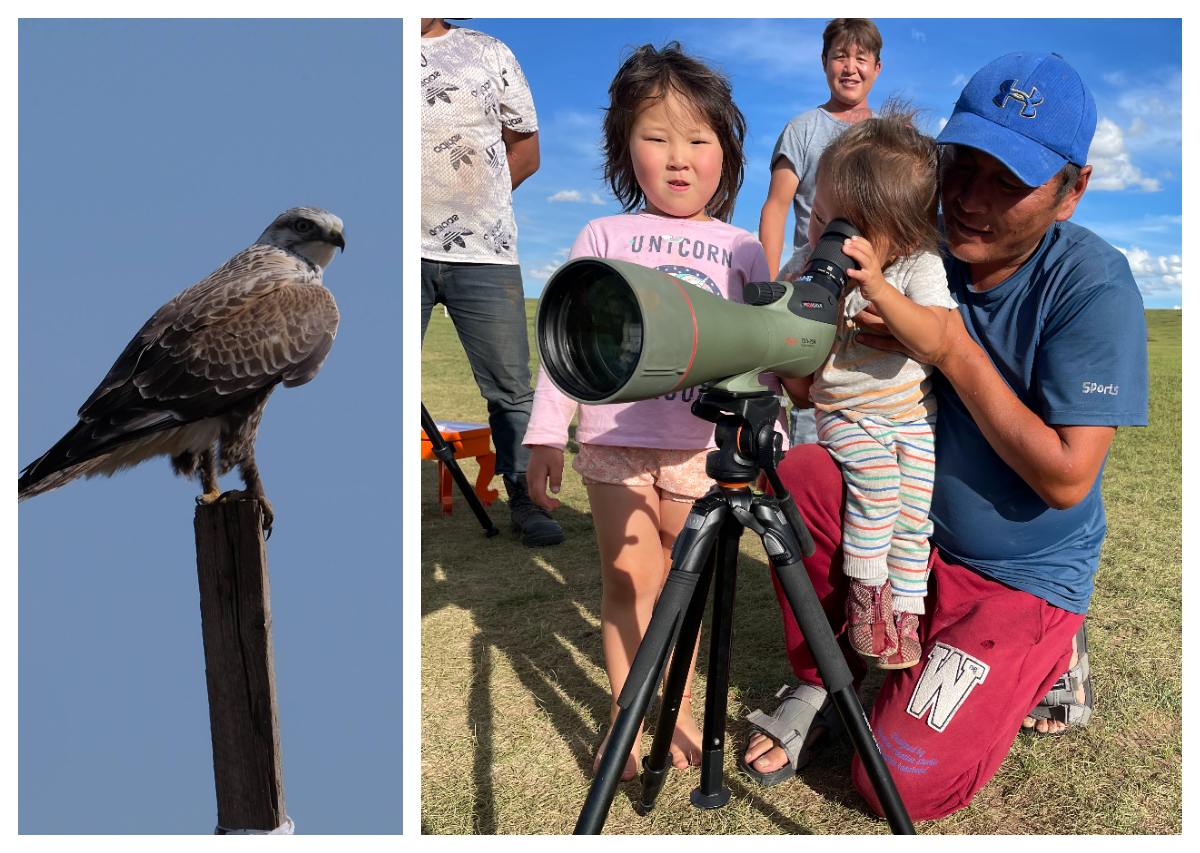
239, 664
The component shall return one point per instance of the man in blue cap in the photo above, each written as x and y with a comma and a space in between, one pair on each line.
1044, 359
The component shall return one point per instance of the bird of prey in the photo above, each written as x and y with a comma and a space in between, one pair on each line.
193, 382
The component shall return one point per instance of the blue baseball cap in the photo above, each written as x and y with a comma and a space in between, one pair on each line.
1031, 111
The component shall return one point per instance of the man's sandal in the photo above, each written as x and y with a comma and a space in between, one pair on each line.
802, 709
1061, 704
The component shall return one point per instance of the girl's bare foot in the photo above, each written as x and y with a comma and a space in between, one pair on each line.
631, 763
686, 739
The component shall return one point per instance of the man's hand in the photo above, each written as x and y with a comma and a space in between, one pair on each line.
524, 155
545, 466
873, 332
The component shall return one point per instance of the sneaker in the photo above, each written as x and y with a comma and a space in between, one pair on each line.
869, 613
909, 651
533, 522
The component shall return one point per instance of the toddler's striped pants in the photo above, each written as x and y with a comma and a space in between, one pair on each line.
888, 470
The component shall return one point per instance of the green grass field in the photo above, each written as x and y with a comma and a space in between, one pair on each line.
515, 698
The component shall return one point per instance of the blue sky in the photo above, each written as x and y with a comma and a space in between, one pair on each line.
150, 153
1133, 68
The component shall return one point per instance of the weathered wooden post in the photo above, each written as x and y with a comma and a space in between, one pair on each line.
239, 663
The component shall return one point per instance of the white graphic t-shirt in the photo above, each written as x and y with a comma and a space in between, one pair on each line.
471, 87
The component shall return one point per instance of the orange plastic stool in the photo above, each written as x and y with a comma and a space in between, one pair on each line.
468, 440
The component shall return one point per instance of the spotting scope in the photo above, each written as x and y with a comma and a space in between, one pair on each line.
612, 331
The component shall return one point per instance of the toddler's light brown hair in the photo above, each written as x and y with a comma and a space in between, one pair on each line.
882, 175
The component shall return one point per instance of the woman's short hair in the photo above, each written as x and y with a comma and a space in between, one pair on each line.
859, 31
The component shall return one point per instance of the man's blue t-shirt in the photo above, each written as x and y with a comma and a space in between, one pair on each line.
1067, 332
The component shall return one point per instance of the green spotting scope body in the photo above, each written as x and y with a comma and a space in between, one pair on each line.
612, 331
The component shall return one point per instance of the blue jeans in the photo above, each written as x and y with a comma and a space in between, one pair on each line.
487, 304
803, 426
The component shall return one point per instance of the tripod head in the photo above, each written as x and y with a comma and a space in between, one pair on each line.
746, 444
746, 438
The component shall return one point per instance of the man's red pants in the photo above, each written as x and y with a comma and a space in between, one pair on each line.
990, 653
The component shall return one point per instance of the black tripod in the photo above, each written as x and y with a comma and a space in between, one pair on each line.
746, 443
444, 451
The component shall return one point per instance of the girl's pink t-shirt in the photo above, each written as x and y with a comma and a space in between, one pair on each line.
711, 255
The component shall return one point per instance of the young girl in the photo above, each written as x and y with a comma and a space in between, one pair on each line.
673, 147
875, 410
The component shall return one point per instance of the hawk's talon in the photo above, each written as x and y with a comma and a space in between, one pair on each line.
268, 512
208, 498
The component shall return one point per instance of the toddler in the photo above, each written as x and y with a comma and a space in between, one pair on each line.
876, 412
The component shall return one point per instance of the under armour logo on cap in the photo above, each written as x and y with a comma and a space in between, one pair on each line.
1028, 100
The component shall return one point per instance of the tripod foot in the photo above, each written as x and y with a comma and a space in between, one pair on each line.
652, 782
710, 801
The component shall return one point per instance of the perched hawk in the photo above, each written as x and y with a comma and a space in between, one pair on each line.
197, 375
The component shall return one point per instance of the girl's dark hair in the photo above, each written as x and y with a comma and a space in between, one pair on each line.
649, 74
881, 174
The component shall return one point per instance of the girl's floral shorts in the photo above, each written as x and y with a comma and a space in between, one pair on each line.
678, 474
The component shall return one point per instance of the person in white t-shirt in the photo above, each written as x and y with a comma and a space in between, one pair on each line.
478, 143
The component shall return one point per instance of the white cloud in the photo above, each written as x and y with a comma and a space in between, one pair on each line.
562, 253
959, 80
1111, 166
544, 271
576, 196
1155, 105
942, 122
918, 35
757, 42
1154, 273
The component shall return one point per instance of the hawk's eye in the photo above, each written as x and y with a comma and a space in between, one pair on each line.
303, 226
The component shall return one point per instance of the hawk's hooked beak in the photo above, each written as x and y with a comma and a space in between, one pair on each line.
338, 240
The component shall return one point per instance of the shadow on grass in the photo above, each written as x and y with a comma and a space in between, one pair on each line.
529, 605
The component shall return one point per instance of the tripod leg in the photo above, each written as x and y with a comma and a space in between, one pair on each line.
635, 698
810, 617
445, 454
712, 793
658, 762
782, 547
689, 556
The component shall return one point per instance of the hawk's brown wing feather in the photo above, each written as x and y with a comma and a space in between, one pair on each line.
261, 319
254, 271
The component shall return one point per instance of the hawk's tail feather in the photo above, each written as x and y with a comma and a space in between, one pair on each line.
80, 454
53, 465
27, 487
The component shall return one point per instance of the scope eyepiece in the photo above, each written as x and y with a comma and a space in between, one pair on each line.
827, 264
